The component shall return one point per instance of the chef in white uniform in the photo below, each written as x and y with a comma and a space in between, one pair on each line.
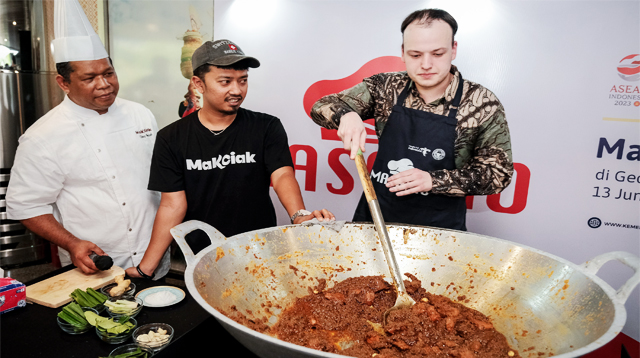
80, 174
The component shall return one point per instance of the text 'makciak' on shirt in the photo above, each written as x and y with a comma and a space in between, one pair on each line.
225, 177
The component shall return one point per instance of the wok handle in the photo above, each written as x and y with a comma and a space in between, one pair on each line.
592, 266
179, 233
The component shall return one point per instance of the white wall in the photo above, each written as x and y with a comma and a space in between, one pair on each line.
146, 48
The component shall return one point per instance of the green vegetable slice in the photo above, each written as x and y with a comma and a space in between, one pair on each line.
99, 297
84, 299
73, 314
113, 328
121, 306
92, 317
120, 328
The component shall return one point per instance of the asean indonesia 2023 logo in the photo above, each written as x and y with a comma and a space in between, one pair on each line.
627, 94
629, 68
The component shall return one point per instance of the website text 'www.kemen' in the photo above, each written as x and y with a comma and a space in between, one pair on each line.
623, 226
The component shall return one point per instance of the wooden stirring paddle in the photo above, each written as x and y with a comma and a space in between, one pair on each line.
403, 300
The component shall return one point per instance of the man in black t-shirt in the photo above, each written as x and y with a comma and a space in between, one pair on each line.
215, 165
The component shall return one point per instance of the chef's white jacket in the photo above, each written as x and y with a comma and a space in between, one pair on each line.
91, 172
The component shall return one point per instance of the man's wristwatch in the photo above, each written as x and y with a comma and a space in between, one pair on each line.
299, 213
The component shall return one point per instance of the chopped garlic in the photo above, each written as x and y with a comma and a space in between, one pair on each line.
154, 339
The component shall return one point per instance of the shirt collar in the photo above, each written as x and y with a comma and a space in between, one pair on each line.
449, 92
80, 112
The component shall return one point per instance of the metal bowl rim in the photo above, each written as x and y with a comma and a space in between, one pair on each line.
615, 328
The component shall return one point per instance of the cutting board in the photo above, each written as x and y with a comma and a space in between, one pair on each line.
54, 292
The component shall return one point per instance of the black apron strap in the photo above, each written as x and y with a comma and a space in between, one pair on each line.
453, 109
403, 95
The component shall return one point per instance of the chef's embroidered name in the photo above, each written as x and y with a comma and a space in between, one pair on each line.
221, 162
144, 133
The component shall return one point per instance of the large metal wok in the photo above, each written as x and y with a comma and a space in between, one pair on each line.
535, 299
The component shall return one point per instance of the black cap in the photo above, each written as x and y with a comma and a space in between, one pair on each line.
220, 53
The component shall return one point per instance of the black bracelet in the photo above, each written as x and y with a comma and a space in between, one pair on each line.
143, 274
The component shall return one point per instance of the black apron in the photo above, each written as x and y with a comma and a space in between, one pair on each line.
423, 140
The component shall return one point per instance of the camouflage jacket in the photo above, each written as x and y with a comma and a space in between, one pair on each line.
482, 148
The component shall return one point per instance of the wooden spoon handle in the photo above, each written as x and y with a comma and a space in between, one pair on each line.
369, 193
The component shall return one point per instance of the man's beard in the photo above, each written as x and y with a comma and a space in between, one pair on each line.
233, 111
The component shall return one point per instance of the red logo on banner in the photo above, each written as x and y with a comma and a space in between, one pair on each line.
629, 68
326, 87
520, 193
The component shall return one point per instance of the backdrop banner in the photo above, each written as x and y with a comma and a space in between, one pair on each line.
567, 73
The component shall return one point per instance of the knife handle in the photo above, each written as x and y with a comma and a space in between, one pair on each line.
102, 263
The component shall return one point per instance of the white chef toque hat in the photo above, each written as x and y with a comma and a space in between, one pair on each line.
75, 39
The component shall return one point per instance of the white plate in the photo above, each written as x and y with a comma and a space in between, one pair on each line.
174, 290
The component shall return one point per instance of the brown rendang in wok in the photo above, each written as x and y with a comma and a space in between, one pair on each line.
346, 319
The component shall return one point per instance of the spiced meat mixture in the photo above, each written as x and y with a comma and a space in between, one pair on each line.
347, 320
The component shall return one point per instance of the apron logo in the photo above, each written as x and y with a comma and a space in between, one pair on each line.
424, 150
397, 166
438, 154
